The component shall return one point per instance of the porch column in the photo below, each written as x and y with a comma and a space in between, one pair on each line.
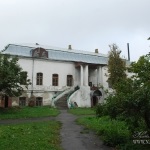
86, 74
99, 75
81, 75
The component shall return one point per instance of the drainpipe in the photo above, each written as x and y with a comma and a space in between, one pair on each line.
32, 77
128, 51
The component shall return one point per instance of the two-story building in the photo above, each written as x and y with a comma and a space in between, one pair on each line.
55, 72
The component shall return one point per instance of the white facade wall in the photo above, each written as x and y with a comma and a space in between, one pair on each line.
47, 67
77, 77
62, 68
105, 77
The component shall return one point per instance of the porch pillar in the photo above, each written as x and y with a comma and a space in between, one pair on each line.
86, 74
99, 75
81, 75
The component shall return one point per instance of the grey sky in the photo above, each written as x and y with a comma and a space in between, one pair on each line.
85, 24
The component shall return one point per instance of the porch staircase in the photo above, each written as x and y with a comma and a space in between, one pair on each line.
61, 103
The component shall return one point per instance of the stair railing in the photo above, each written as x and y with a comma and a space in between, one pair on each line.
59, 95
70, 105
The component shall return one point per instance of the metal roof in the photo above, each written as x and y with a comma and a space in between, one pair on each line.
58, 53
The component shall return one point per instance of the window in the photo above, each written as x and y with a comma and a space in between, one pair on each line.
39, 79
39, 52
55, 79
23, 77
69, 80
39, 101
90, 84
22, 101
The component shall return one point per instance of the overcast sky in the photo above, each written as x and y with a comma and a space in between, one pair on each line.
85, 24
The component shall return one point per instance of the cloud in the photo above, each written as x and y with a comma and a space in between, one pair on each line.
86, 24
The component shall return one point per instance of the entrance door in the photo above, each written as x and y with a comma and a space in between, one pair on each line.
94, 101
6, 101
95, 97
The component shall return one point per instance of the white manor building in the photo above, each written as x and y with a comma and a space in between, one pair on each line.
55, 72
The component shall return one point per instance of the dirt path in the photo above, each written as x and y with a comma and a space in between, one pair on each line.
73, 136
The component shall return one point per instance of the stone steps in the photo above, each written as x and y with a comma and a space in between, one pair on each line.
62, 102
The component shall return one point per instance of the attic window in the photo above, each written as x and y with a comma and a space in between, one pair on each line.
39, 52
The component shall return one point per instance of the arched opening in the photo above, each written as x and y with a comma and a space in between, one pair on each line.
95, 97
97, 93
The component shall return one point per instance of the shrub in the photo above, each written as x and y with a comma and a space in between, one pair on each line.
113, 132
31, 103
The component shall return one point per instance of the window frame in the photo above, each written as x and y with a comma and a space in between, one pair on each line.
22, 101
55, 79
39, 78
39, 101
69, 80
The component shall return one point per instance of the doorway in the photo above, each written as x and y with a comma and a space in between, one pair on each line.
6, 101
95, 101
95, 97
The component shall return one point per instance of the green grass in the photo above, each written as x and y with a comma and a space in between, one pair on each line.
27, 112
82, 111
30, 136
113, 132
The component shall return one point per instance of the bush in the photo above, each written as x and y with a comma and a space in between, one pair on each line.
31, 103
100, 110
113, 132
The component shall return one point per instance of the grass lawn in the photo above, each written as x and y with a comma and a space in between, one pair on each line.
27, 112
82, 111
30, 136
113, 132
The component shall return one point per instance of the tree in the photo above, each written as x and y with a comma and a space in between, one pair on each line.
11, 76
131, 100
116, 66
141, 80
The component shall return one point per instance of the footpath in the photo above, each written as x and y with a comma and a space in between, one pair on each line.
73, 136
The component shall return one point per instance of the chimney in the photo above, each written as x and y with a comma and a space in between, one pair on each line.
96, 50
128, 51
69, 47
